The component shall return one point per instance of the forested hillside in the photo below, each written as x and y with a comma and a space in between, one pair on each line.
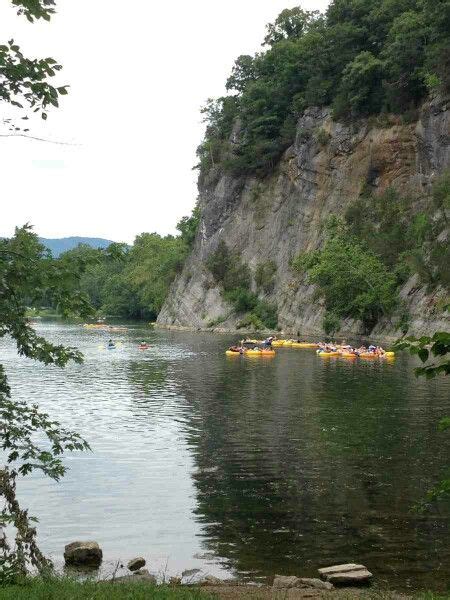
324, 178
363, 57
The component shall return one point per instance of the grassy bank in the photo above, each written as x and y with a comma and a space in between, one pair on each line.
69, 589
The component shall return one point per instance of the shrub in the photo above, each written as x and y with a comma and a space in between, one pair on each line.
265, 276
331, 323
353, 280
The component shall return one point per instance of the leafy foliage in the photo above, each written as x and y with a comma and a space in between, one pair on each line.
406, 239
426, 348
352, 280
235, 279
134, 282
30, 440
360, 57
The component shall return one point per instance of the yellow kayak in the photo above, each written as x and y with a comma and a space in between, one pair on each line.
304, 345
389, 354
288, 343
326, 354
231, 353
259, 353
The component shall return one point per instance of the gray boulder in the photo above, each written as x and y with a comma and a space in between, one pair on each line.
348, 574
282, 582
79, 554
141, 575
136, 563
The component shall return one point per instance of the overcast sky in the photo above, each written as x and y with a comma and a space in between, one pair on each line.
139, 73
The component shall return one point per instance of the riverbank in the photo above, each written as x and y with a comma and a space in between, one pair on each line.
69, 589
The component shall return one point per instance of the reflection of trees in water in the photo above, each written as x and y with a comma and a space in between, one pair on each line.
301, 462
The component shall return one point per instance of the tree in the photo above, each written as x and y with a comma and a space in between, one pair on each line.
30, 440
352, 280
360, 91
291, 23
243, 72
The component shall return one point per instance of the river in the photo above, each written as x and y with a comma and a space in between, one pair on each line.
241, 466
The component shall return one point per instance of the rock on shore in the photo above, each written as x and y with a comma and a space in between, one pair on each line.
87, 554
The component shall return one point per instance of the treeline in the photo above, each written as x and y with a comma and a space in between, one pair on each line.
133, 282
361, 57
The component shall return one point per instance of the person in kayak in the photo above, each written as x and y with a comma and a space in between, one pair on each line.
267, 344
111, 344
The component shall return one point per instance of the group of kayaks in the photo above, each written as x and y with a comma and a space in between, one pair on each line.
104, 327
266, 347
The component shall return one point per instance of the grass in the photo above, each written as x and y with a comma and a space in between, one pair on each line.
69, 589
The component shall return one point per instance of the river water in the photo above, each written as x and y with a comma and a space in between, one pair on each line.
241, 466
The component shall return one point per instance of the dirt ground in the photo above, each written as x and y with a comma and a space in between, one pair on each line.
267, 593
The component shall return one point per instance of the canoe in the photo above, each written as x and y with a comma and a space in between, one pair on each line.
304, 345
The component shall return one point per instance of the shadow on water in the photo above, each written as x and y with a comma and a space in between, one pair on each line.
253, 466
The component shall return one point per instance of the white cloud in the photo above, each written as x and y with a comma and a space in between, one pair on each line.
139, 73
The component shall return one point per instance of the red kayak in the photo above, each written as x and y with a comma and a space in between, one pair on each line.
144, 346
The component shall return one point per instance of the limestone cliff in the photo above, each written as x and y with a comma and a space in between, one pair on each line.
282, 215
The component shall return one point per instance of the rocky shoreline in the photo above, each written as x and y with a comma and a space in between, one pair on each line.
349, 580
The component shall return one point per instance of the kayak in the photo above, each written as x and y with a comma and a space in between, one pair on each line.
143, 346
232, 353
304, 345
288, 343
259, 353
326, 354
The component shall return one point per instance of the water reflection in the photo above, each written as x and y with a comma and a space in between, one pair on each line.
252, 466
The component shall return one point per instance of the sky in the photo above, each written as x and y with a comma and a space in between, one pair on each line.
138, 74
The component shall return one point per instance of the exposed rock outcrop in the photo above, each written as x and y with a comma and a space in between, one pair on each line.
276, 218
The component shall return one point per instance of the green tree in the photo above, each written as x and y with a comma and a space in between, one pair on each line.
360, 91
291, 23
30, 440
352, 280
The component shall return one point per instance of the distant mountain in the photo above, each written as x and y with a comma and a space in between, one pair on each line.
58, 246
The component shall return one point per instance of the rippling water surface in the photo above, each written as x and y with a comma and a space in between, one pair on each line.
238, 465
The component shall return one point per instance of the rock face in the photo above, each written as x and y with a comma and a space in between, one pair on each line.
276, 218
349, 574
136, 563
87, 554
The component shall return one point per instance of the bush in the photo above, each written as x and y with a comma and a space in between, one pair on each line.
352, 280
265, 276
331, 323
